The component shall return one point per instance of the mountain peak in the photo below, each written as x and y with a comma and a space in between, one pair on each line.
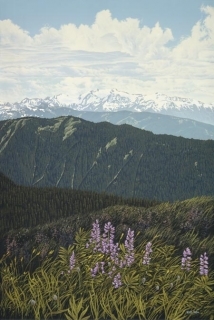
111, 100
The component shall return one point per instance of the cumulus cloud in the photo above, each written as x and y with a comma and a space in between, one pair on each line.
200, 44
108, 54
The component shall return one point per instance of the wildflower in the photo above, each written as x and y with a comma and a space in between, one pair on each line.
108, 238
185, 261
107, 243
129, 244
55, 297
129, 240
204, 265
114, 253
122, 263
146, 257
157, 288
95, 270
117, 282
102, 266
72, 261
32, 302
143, 280
95, 236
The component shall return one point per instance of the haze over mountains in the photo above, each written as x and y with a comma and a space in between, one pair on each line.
158, 113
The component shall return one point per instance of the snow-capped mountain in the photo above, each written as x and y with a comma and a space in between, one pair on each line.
109, 101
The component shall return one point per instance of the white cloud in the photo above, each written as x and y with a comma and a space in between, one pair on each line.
108, 54
11, 34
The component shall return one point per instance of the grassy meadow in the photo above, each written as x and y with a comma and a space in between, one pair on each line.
122, 263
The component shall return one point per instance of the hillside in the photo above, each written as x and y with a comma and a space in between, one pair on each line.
174, 226
46, 251
26, 207
154, 122
69, 152
183, 224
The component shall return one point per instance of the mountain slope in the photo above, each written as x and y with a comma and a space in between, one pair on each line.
108, 101
26, 207
184, 224
154, 122
73, 153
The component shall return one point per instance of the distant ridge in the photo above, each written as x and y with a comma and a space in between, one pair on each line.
109, 101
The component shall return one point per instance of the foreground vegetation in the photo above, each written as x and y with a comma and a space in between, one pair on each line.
182, 224
59, 268
98, 279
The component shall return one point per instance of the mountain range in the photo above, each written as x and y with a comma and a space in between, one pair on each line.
70, 152
158, 113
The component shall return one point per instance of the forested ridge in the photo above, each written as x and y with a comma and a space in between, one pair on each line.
68, 152
27, 207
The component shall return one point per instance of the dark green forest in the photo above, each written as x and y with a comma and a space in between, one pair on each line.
69, 152
27, 207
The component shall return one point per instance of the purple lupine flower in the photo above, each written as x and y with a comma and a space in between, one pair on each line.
114, 253
129, 244
117, 281
104, 248
108, 240
122, 263
102, 266
204, 265
185, 261
108, 226
95, 236
130, 259
95, 270
72, 261
146, 258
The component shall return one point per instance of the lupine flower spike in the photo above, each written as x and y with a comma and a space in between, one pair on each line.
95, 236
117, 282
95, 270
185, 261
108, 243
204, 265
146, 258
129, 244
72, 261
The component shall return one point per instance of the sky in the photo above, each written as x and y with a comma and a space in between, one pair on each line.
51, 47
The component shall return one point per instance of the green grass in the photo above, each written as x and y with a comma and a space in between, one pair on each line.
160, 290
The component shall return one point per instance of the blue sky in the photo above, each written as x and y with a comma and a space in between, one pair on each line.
49, 47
